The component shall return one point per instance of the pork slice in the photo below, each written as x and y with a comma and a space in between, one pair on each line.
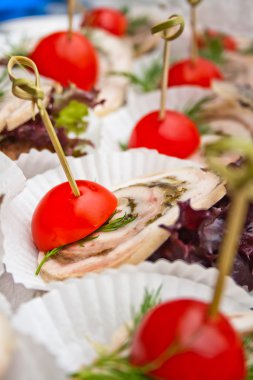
155, 199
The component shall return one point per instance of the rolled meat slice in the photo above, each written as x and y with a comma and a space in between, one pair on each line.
147, 202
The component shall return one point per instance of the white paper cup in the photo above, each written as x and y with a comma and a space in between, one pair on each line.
27, 360
11, 182
109, 169
92, 308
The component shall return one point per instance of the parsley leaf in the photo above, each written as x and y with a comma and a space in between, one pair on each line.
73, 117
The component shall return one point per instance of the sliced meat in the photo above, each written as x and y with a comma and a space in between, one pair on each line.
238, 68
153, 201
115, 55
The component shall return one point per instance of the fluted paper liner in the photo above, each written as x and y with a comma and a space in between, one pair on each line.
91, 309
27, 360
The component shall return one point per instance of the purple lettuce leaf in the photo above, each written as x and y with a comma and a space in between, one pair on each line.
197, 235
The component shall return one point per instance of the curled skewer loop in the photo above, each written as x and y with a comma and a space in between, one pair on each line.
165, 28
24, 88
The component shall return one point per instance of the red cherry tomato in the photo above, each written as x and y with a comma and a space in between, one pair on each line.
195, 347
228, 42
61, 218
67, 60
109, 19
176, 135
201, 73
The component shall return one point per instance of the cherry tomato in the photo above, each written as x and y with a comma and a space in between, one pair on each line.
201, 73
176, 135
194, 346
67, 59
109, 19
61, 218
228, 42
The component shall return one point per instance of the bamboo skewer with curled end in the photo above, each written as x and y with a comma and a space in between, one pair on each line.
28, 90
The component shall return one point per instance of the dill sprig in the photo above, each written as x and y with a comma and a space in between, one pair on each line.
151, 299
115, 224
213, 49
110, 225
47, 256
148, 81
195, 113
115, 365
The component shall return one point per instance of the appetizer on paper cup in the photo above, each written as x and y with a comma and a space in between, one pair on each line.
180, 339
225, 110
80, 226
21, 128
87, 317
131, 23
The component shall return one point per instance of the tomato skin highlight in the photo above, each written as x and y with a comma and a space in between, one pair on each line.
67, 60
206, 348
61, 218
201, 73
175, 136
109, 19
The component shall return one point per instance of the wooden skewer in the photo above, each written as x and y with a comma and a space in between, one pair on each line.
27, 90
194, 44
71, 8
165, 29
235, 224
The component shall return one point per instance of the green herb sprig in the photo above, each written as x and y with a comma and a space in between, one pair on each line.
110, 225
47, 256
115, 224
195, 113
115, 365
213, 49
148, 81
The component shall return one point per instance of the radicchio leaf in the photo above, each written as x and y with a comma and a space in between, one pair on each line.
197, 235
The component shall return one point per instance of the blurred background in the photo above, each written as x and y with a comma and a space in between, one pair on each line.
224, 15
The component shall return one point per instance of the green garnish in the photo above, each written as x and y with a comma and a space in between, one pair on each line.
123, 146
47, 256
87, 239
108, 226
73, 117
151, 299
115, 224
134, 23
149, 79
195, 113
115, 365
213, 50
